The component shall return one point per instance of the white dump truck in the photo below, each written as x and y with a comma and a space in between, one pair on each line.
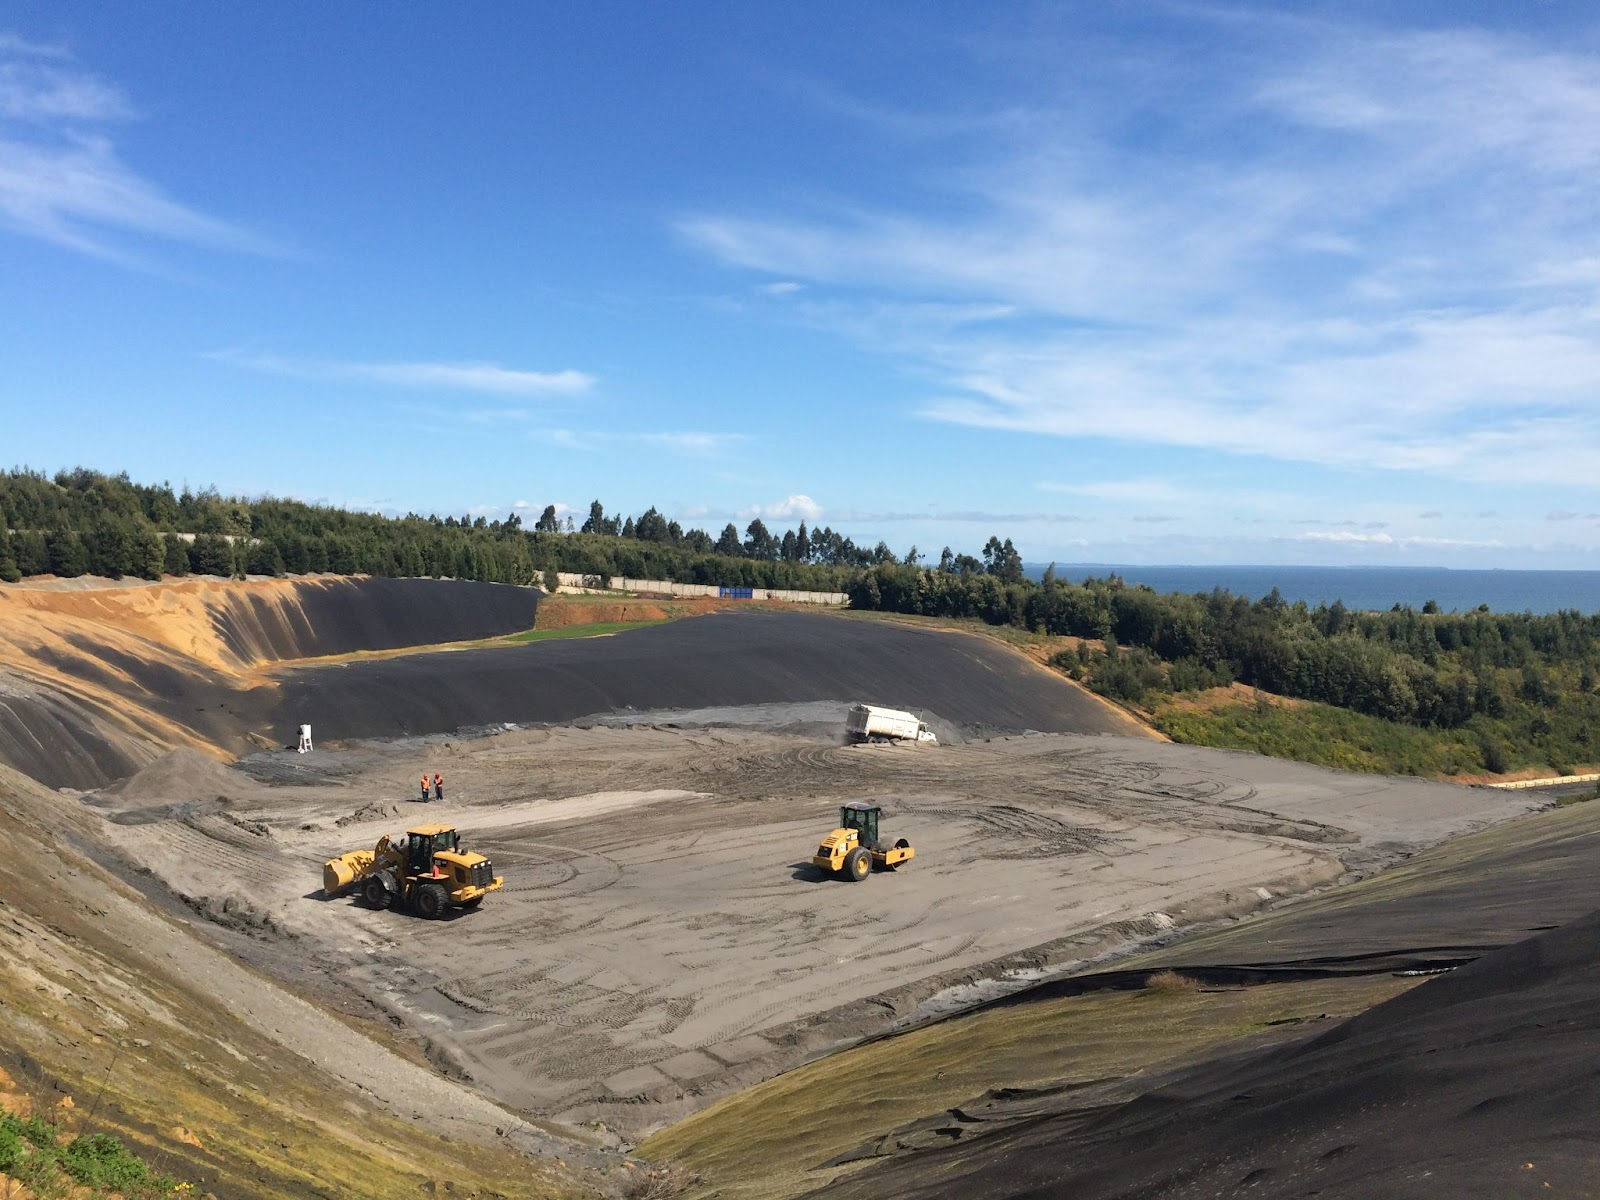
868, 723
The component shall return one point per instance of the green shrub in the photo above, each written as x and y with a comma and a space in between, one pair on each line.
10, 1147
99, 1160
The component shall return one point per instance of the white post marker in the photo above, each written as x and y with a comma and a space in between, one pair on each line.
305, 740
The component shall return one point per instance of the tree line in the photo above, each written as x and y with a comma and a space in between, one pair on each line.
85, 522
1504, 678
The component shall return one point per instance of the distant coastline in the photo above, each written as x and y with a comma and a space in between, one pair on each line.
1364, 588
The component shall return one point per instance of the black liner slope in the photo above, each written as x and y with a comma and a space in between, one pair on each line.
720, 659
342, 616
1451, 1089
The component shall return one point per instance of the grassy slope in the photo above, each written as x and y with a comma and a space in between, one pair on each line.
93, 1009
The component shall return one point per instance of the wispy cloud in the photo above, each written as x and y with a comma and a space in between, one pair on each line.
683, 444
1274, 270
486, 378
61, 179
1351, 537
1119, 489
961, 516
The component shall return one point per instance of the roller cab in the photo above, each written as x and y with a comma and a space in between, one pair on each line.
858, 846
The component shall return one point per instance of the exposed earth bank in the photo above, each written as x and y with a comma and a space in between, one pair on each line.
97, 678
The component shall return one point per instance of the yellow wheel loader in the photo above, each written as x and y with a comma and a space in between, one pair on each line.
428, 873
856, 847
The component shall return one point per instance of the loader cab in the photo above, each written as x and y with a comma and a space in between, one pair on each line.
423, 842
863, 818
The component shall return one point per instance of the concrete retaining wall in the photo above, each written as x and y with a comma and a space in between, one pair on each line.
662, 587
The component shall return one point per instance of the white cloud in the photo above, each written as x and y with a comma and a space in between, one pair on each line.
792, 507
783, 288
61, 179
486, 378
1336, 245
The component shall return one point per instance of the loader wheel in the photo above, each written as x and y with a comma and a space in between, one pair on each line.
432, 900
857, 864
374, 892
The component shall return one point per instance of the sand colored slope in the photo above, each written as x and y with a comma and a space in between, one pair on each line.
214, 1073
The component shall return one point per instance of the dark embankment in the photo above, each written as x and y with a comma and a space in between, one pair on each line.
1479, 1082
343, 616
95, 681
722, 659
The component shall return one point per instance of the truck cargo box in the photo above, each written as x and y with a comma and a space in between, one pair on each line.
868, 723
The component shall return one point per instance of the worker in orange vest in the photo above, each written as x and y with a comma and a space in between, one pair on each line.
424, 787
438, 786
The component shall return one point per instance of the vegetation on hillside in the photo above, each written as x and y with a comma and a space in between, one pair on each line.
1441, 693
40, 1157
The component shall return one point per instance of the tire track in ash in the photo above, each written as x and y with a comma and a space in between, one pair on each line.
1205, 805
544, 867
802, 1002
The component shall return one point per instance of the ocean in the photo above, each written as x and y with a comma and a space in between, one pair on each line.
1366, 588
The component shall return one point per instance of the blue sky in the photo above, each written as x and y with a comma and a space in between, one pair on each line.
1136, 283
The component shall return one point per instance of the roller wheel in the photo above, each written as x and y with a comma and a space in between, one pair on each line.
375, 892
432, 900
857, 864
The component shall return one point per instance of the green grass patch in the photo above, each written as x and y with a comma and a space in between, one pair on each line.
34, 1153
597, 629
1325, 736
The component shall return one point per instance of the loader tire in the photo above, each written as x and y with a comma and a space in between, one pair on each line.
432, 900
857, 864
375, 892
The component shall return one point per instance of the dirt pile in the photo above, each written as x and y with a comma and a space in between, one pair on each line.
382, 810
177, 776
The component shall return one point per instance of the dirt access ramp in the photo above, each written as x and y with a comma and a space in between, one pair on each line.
117, 1018
662, 939
98, 677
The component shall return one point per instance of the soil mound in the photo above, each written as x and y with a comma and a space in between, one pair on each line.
380, 811
177, 777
